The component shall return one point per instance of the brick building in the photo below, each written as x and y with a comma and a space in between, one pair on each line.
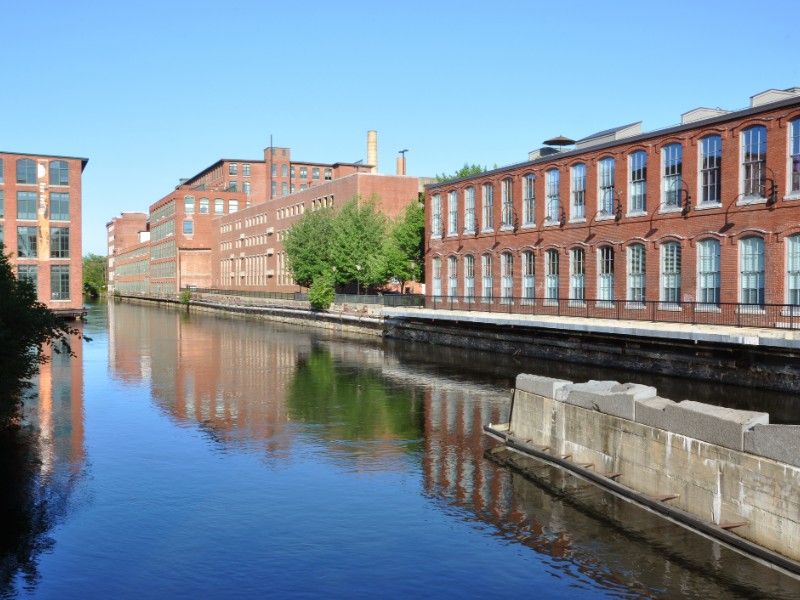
124, 232
40, 225
704, 212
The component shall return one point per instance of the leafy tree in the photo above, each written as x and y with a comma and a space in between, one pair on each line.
95, 275
322, 293
358, 243
405, 245
308, 246
464, 171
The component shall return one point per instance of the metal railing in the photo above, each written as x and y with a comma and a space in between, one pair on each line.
417, 300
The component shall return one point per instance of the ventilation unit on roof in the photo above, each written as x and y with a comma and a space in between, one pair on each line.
699, 114
769, 96
609, 135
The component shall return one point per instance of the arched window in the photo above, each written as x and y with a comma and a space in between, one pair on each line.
578, 192
794, 156
528, 275
577, 275
452, 212
26, 171
529, 200
188, 205
754, 161
551, 275
553, 195
605, 274
672, 170
708, 271
507, 276
605, 187
751, 274
59, 172
710, 165
638, 182
437, 277
452, 277
469, 277
507, 213
469, 209
637, 274
488, 206
486, 273
203, 206
671, 272
436, 215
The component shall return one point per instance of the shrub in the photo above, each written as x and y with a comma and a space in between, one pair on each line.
322, 293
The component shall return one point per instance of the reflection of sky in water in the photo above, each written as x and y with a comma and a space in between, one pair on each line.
233, 458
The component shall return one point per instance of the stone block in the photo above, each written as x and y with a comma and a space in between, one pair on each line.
713, 424
584, 394
652, 412
608, 397
778, 442
537, 384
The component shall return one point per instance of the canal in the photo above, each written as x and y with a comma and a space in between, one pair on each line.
202, 456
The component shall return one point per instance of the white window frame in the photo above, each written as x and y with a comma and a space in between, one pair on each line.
670, 273
436, 215
452, 212
753, 168
793, 270
637, 274
708, 271
551, 260
637, 182
578, 192
552, 196
577, 275
605, 274
529, 200
437, 277
469, 209
671, 177
793, 185
528, 275
709, 178
507, 276
606, 187
507, 207
752, 288
488, 206
487, 281
469, 277
452, 277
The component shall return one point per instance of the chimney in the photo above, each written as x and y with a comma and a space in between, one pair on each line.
372, 149
401, 165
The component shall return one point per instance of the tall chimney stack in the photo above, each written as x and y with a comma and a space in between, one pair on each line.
372, 149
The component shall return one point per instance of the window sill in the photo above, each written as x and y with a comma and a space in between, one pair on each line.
751, 200
578, 220
637, 213
551, 223
468, 231
487, 230
452, 234
529, 226
577, 304
669, 306
669, 209
633, 305
754, 309
553, 302
707, 308
794, 196
707, 205
605, 217
604, 304
507, 227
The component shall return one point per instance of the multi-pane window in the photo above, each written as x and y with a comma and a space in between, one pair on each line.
751, 275
637, 270
507, 199
219, 206
793, 270
638, 182
274, 188
246, 187
708, 271
303, 172
754, 161
2, 175
328, 174
26, 242
794, 155
204, 206
671, 272
486, 273
437, 277
284, 188
233, 206
233, 186
436, 215
26, 205
59, 206
59, 242
246, 169
59, 172
469, 276
188, 227
29, 273
233, 169
285, 170
672, 160
59, 282
274, 170
315, 173
469, 209
188, 205
26, 171
577, 274
2, 204
710, 165
605, 274
529, 199
605, 186
506, 275
551, 275
488, 206
452, 277
528, 275
578, 191
452, 212
552, 195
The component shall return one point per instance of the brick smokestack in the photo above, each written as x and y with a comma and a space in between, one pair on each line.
372, 149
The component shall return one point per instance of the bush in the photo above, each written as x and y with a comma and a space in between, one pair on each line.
322, 293
186, 296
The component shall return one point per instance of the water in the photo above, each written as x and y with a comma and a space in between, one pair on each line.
196, 456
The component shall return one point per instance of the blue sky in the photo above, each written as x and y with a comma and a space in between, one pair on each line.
154, 91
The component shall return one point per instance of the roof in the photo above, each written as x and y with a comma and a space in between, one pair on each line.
83, 160
606, 132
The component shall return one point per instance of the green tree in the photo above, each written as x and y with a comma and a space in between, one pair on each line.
308, 246
358, 243
405, 243
95, 275
322, 292
464, 171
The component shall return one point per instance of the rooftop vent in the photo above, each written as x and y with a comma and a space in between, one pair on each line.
542, 152
773, 96
609, 135
699, 114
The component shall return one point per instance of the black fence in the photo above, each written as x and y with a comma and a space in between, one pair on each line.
417, 300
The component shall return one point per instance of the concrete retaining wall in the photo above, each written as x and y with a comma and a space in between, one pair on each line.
725, 466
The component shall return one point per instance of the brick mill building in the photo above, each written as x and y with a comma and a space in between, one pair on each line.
706, 213
40, 225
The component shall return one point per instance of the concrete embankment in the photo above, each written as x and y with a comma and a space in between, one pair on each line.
725, 473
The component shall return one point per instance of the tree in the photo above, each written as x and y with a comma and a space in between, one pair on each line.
308, 246
94, 274
322, 293
359, 234
464, 171
404, 245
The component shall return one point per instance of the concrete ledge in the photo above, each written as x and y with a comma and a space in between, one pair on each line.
714, 424
652, 412
608, 397
543, 386
778, 442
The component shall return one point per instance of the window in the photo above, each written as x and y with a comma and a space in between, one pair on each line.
246, 187
26, 205
26, 242
605, 183
233, 186
233, 206
507, 212
274, 188
452, 277
488, 206
2, 204
188, 227
638, 182
528, 275
751, 264
284, 170
274, 170
754, 161
219, 206
708, 272
552, 196
59, 206
303, 172
233, 169
203, 206
328, 174
794, 156
436, 215
486, 272
59, 242
507, 276
246, 169
29, 273
2, 175
671, 272
469, 276
437, 277
452, 212
469, 209
59, 172
637, 270
605, 274
529, 200
577, 275
26, 171
551, 276
710, 164
315, 173
188, 205
793, 270
284, 188
672, 159
59, 282
578, 191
